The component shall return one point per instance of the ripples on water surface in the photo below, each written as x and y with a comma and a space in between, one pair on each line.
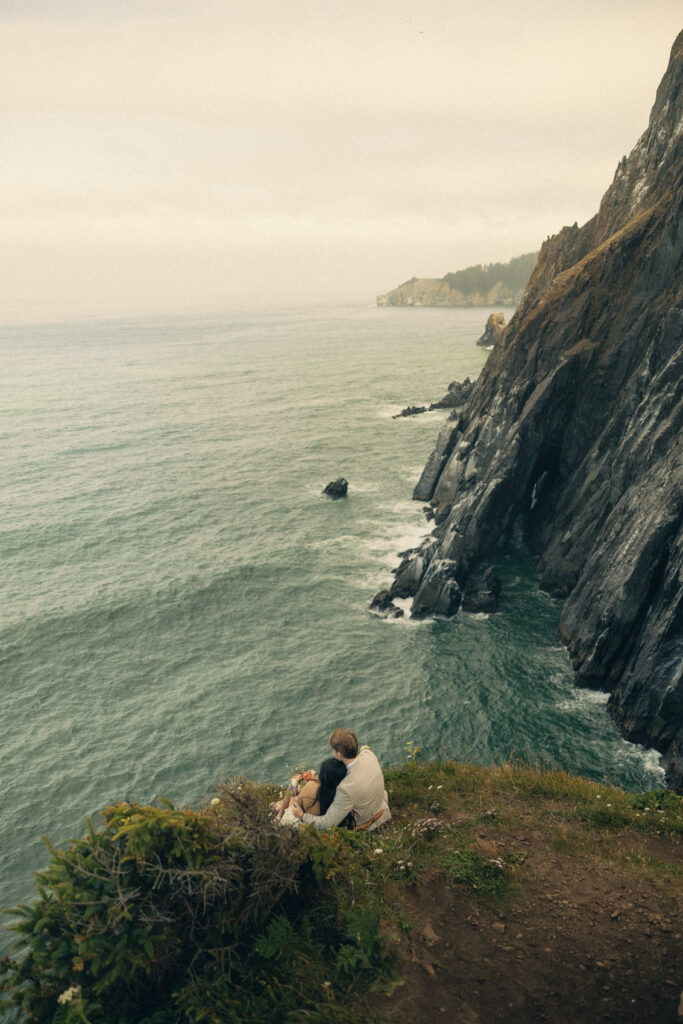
180, 603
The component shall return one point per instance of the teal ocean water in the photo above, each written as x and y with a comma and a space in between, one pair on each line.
179, 603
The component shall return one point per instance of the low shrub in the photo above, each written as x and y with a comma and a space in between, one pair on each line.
487, 876
657, 800
168, 915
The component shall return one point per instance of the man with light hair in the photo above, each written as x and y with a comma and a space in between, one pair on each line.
362, 792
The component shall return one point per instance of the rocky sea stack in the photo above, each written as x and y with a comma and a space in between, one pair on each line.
336, 488
571, 436
495, 325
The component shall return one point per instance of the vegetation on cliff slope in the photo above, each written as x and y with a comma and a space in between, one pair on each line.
480, 285
513, 275
164, 915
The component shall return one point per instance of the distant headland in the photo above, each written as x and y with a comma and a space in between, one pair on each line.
493, 284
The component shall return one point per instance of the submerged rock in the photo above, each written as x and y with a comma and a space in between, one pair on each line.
337, 488
495, 325
410, 410
382, 604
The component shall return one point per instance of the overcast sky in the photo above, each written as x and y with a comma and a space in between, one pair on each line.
169, 156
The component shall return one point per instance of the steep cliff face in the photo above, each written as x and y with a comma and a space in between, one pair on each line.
573, 434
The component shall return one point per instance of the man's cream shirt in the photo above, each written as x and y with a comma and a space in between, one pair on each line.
362, 791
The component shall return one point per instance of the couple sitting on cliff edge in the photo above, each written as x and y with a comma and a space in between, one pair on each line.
349, 790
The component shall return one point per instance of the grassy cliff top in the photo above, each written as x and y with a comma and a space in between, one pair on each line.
510, 893
544, 897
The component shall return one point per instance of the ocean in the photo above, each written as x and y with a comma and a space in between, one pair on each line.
181, 604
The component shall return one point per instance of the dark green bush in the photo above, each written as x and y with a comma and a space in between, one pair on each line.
166, 915
657, 800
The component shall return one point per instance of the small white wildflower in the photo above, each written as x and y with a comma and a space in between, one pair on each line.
70, 993
327, 984
378, 850
439, 787
215, 802
409, 864
608, 805
403, 867
430, 787
598, 797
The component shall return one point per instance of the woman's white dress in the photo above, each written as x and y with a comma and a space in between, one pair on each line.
289, 818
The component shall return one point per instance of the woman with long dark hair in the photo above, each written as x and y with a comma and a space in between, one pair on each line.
315, 797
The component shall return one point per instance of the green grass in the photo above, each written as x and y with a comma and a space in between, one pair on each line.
485, 876
554, 794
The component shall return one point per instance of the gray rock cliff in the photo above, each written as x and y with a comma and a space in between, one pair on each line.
573, 435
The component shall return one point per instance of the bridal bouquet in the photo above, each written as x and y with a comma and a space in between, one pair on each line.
300, 778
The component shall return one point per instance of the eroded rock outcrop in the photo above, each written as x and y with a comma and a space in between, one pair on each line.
573, 435
457, 394
495, 325
438, 592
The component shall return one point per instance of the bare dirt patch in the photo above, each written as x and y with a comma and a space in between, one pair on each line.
593, 933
